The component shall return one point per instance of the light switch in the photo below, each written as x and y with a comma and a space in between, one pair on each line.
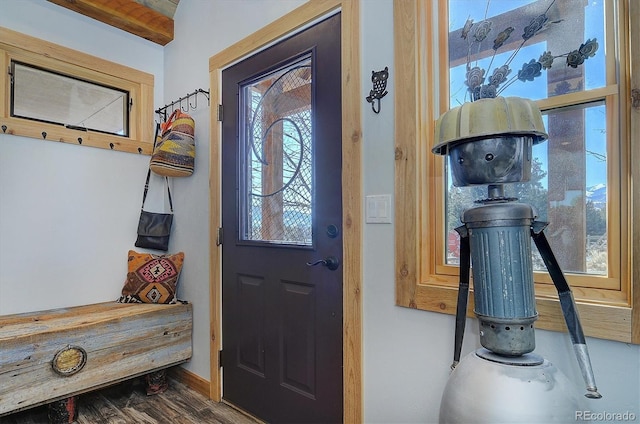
378, 209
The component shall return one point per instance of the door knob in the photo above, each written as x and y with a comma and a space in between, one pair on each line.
330, 262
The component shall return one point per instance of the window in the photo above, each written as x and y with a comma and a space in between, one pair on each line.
58, 94
45, 96
580, 178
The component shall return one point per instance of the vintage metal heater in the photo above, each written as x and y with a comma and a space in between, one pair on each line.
489, 142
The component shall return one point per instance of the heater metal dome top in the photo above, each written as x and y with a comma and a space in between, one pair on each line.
489, 118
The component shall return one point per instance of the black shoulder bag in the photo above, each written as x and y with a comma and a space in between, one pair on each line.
154, 228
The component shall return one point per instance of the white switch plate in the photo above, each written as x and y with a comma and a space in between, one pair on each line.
378, 209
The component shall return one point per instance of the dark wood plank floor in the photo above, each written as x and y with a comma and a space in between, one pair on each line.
128, 403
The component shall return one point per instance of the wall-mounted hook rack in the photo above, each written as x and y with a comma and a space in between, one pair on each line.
191, 103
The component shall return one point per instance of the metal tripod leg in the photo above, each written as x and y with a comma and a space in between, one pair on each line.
463, 293
569, 309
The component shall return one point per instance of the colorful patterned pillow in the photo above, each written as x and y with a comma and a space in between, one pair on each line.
152, 278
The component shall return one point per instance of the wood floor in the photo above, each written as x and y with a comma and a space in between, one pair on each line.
128, 403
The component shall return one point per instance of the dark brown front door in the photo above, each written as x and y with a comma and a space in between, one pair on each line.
282, 214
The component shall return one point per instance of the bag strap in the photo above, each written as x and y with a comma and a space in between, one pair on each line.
146, 189
169, 122
146, 184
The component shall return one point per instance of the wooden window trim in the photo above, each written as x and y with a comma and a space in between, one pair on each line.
607, 314
31, 50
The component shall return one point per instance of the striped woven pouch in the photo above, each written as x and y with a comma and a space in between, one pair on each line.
175, 153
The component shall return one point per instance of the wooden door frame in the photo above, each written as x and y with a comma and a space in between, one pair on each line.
351, 186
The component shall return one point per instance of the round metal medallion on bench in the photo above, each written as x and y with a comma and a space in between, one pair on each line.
69, 360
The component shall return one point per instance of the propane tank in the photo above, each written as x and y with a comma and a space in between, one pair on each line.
492, 389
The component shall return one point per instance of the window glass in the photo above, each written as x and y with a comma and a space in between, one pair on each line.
46, 96
569, 178
499, 36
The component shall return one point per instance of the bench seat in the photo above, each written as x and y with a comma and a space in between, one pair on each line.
51, 355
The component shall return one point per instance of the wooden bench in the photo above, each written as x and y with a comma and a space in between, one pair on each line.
51, 355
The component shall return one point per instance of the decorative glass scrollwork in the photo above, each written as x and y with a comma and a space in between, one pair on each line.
277, 154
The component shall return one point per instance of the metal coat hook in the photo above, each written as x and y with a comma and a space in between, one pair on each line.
195, 103
187, 106
379, 80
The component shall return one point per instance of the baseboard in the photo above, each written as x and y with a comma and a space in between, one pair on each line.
202, 386
191, 380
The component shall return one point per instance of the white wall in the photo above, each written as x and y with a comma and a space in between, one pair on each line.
68, 214
46, 185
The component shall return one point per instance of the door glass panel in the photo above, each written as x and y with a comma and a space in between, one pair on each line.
276, 182
46, 96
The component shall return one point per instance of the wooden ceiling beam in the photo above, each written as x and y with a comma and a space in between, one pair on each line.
166, 7
127, 15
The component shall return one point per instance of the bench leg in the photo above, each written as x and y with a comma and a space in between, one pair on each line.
156, 382
63, 411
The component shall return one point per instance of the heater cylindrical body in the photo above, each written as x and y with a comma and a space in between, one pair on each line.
500, 241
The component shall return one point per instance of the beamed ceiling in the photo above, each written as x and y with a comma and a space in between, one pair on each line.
150, 19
